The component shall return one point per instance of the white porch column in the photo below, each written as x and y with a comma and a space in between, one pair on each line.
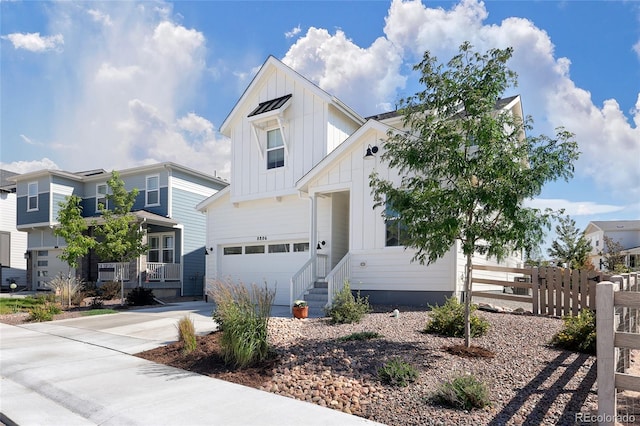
313, 233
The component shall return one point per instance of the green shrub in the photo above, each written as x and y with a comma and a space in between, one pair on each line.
346, 308
110, 290
578, 334
363, 335
448, 320
463, 392
68, 289
397, 373
43, 312
140, 296
187, 334
245, 316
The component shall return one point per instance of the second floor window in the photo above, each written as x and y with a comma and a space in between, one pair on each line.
101, 196
32, 199
153, 190
275, 149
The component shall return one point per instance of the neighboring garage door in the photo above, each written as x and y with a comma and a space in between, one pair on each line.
272, 263
46, 266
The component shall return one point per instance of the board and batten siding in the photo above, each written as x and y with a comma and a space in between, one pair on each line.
17, 267
373, 265
266, 221
311, 130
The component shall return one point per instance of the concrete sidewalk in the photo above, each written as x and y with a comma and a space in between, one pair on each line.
80, 372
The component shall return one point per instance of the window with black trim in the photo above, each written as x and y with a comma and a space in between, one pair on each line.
161, 248
32, 198
153, 190
275, 149
300, 247
396, 231
232, 250
278, 248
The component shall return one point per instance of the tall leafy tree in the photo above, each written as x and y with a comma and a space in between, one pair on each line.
120, 238
466, 167
612, 257
571, 247
73, 228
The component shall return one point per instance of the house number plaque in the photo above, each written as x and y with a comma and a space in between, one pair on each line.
262, 238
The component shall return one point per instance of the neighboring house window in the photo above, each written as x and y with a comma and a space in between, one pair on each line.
5, 249
396, 230
153, 190
597, 243
101, 196
32, 199
275, 149
161, 249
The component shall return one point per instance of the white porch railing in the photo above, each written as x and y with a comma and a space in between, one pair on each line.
337, 277
303, 280
163, 271
114, 271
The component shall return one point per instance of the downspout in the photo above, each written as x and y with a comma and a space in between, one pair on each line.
313, 235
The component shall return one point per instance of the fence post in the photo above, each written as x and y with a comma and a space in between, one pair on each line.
605, 351
535, 291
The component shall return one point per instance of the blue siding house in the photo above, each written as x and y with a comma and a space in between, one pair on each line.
174, 264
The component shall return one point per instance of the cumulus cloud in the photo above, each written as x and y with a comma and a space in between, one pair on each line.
574, 208
100, 17
29, 166
294, 32
370, 77
34, 42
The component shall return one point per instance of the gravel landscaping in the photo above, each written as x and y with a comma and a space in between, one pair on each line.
529, 382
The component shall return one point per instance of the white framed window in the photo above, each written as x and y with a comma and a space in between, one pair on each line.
279, 248
152, 197
300, 247
254, 249
32, 198
275, 149
228, 251
101, 196
396, 231
161, 248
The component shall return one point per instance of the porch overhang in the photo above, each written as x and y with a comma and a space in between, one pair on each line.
142, 216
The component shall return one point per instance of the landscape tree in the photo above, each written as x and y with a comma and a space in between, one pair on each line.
73, 228
119, 236
466, 166
571, 247
612, 257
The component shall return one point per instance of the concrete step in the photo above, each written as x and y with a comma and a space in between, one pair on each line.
324, 291
320, 284
316, 297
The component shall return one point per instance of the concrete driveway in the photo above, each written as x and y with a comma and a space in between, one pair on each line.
79, 372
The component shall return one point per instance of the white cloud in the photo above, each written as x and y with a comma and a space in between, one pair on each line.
109, 72
28, 140
370, 77
34, 42
100, 17
29, 166
195, 124
573, 208
363, 78
294, 32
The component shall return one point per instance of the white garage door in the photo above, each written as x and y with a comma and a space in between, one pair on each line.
272, 263
47, 266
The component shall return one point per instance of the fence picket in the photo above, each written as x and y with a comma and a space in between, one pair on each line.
535, 291
575, 292
566, 291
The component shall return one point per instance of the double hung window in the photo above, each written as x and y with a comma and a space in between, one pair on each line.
396, 231
153, 191
275, 149
161, 249
32, 198
101, 197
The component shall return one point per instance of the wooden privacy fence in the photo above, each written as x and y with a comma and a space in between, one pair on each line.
550, 290
618, 305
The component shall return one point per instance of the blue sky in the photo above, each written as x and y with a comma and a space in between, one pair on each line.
118, 84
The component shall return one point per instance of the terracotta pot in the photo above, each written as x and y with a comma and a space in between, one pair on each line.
302, 312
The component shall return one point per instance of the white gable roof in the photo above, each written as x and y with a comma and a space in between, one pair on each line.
270, 65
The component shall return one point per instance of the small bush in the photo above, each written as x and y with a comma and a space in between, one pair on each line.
463, 392
346, 308
578, 334
96, 303
245, 316
44, 312
110, 290
363, 335
187, 334
67, 288
397, 373
90, 289
448, 320
140, 296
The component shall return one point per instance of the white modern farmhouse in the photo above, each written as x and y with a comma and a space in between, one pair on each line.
299, 213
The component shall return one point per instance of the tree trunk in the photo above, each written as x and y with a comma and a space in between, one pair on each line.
467, 302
